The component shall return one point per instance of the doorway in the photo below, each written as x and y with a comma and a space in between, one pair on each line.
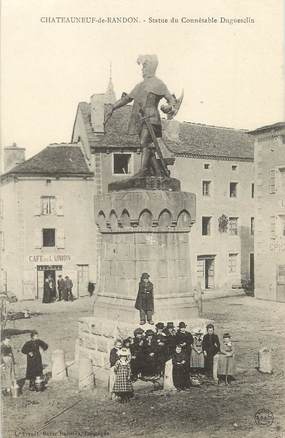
44, 272
206, 271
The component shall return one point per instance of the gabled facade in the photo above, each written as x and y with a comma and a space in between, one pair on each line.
47, 221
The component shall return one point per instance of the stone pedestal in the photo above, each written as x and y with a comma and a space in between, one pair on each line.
58, 371
141, 231
145, 231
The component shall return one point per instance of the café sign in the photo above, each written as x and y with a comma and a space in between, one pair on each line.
50, 258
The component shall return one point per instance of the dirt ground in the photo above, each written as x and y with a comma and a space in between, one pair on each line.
206, 412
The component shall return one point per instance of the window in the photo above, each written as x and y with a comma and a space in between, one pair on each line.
272, 181
252, 226
122, 164
233, 263
272, 227
48, 205
233, 226
233, 189
206, 188
48, 237
206, 226
206, 166
252, 190
281, 221
234, 167
282, 178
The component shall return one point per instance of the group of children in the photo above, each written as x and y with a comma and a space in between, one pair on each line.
145, 354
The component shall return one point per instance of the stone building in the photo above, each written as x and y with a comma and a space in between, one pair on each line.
269, 158
215, 163
46, 220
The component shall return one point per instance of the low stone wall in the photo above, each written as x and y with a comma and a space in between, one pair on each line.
97, 335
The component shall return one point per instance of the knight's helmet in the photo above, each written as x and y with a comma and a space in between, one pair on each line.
149, 64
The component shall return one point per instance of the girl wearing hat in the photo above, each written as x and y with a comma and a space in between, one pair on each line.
144, 302
226, 362
180, 371
123, 387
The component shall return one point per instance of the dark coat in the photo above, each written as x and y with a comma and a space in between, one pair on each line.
184, 337
180, 373
144, 299
47, 296
60, 284
34, 362
211, 344
114, 357
149, 361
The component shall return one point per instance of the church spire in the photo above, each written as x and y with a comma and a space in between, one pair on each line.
110, 96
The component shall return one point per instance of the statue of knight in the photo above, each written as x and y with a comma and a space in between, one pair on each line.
145, 119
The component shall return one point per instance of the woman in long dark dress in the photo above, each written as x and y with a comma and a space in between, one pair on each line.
149, 351
34, 358
47, 296
181, 379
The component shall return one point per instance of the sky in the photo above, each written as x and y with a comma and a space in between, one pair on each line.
232, 74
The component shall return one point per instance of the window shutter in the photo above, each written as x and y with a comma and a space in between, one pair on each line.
59, 206
38, 238
272, 181
60, 238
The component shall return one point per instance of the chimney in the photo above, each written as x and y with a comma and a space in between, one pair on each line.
13, 155
97, 112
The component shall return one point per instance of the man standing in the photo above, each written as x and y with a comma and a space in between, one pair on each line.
60, 287
145, 302
34, 358
146, 96
68, 288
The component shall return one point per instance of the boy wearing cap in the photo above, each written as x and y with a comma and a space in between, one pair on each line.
211, 346
145, 302
34, 358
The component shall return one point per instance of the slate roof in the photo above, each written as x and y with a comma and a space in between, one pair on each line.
62, 159
273, 127
194, 139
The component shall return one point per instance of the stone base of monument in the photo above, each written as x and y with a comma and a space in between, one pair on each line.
143, 228
97, 336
